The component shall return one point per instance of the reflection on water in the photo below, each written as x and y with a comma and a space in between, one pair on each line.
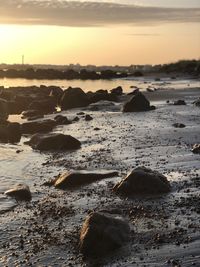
93, 85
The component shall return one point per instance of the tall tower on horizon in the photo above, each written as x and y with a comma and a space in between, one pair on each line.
22, 59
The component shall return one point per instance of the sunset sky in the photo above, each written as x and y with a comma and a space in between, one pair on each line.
107, 32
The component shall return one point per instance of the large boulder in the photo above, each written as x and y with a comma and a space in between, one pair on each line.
101, 234
10, 132
45, 142
47, 105
143, 181
138, 103
73, 98
3, 110
20, 192
37, 126
75, 178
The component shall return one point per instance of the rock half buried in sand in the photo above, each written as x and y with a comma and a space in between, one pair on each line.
53, 141
196, 149
143, 181
138, 103
75, 179
101, 234
180, 102
178, 125
20, 192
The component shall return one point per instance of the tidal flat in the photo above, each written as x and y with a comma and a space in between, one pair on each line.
165, 229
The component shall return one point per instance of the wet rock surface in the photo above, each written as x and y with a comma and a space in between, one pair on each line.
143, 181
45, 142
20, 192
138, 103
101, 234
76, 179
10, 132
37, 126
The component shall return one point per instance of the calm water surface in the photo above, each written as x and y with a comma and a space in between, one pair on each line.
90, 85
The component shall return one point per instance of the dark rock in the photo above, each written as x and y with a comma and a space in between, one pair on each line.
3, 110
45, 142
88, 117
37, 126
196, 149
101, 234
47, 105
179, 102
134, 92
76, 119
20, 192
56, 92
73, 98
75, 179
197, 102
10, 132
99, 96
27, 114
138, 103
62, 120
178, 125
117, 91
143, 181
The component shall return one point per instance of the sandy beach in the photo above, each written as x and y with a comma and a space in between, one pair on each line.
165, 229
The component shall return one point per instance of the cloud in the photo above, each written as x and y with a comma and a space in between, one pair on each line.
85, 14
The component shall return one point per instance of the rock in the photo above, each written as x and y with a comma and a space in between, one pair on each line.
178, 125
37, 126
10, 132
54, 141
143, 181
3, 110
179, 102
62, 120
75, 179
197, 102
134, 92
28, 114
88, 117
138, 103
117, 91
196, 149
20, 192
73, 98
101, 95
56, 92
47, 105
101, 234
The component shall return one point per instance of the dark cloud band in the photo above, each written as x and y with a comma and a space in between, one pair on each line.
75, 13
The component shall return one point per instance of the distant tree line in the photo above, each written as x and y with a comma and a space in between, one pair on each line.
183, 66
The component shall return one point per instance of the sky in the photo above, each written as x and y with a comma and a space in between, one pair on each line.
111, 32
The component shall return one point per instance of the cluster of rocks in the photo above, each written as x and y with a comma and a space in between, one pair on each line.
102, 233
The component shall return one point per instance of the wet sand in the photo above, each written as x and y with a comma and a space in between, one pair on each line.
165, 228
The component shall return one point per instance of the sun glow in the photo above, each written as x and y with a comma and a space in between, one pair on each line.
99, 45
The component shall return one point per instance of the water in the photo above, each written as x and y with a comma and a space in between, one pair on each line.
92, 85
